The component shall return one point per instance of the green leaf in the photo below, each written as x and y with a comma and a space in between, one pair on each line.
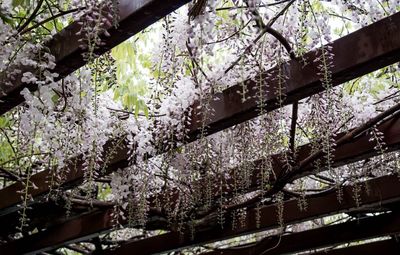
6, 19
4, 122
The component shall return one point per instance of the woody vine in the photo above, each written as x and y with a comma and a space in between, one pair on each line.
146, 95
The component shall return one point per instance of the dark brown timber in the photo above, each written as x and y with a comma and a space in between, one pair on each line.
360, 148
135, 15
356, 230
383, 190
387, 247
356, 54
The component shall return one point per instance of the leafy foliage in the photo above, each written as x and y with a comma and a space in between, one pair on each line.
142, 95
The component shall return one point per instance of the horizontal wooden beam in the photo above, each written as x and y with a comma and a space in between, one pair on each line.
356, 54
360, 148
40, 215
380, 191
134, 16
359, 53
387, 247
355, 230
77, 229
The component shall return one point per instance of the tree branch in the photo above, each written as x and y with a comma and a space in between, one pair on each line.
232, 35
246, 7
33, 15
10, 175
351, 135
60, 14
132, 113
267, 29
90, 203
194, 61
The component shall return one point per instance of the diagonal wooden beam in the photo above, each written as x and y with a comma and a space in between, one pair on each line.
361, 52
77, 229
360, 148
355, 230
387, 247
356, 54
382, 190
134, 16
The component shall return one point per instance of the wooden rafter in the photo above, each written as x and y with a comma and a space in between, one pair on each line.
358, 149
101, 220
387, 247
355, 230
381, 191
134, 16
358, 53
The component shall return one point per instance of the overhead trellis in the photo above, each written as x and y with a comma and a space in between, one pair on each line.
133, 17
302, 82
359, 53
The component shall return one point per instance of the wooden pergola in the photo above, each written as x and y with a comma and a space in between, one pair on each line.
359, 53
